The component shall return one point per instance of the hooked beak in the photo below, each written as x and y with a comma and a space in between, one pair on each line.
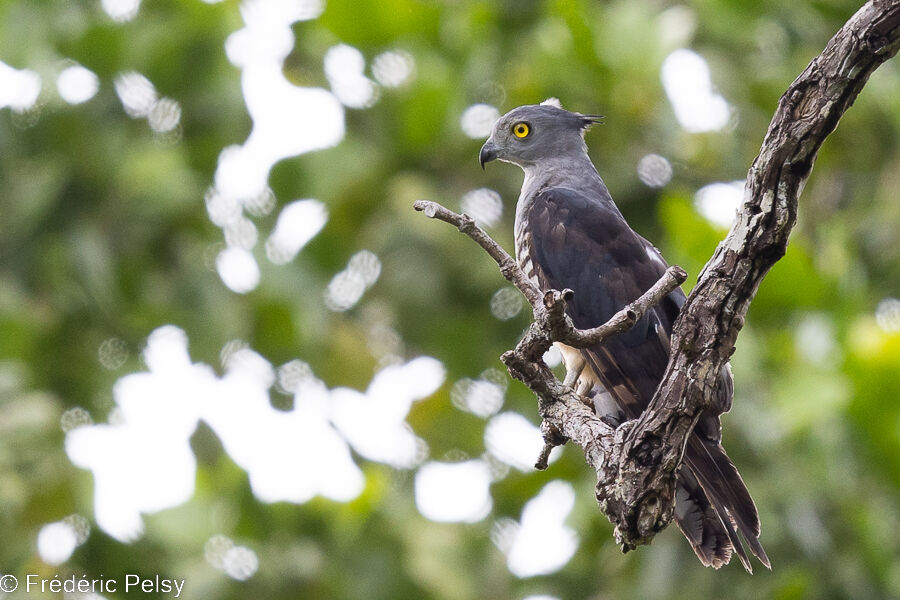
487, 154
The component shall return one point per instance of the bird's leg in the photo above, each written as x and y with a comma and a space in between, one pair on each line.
606, 407
574, 365
575, 368
582, 380
572, 376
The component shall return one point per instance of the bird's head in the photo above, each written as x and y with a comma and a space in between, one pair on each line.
532, 133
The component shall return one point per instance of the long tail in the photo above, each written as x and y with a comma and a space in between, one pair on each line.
712, 507
716, 507
700, 523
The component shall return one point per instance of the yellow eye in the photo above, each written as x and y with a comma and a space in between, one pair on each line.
521, 130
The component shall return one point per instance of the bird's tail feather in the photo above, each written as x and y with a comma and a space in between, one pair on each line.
700, 523
727, 494
712, 504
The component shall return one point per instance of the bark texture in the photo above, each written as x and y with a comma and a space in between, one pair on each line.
637, 461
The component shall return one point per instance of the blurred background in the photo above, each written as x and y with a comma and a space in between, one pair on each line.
232, 353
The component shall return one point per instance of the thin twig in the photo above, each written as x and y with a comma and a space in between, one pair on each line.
563, 331
466, 225
553, 302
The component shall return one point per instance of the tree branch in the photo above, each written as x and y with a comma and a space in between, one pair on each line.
637, 462
704, 334
466, 225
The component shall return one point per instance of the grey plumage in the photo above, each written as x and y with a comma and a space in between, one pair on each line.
570, 234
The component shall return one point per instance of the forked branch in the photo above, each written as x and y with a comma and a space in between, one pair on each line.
565, 414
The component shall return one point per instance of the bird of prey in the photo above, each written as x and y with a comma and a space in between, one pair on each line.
570, 234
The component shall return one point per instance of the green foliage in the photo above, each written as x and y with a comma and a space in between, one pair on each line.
104, 234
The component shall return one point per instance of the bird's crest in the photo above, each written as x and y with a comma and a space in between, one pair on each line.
586, 121
552, 102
